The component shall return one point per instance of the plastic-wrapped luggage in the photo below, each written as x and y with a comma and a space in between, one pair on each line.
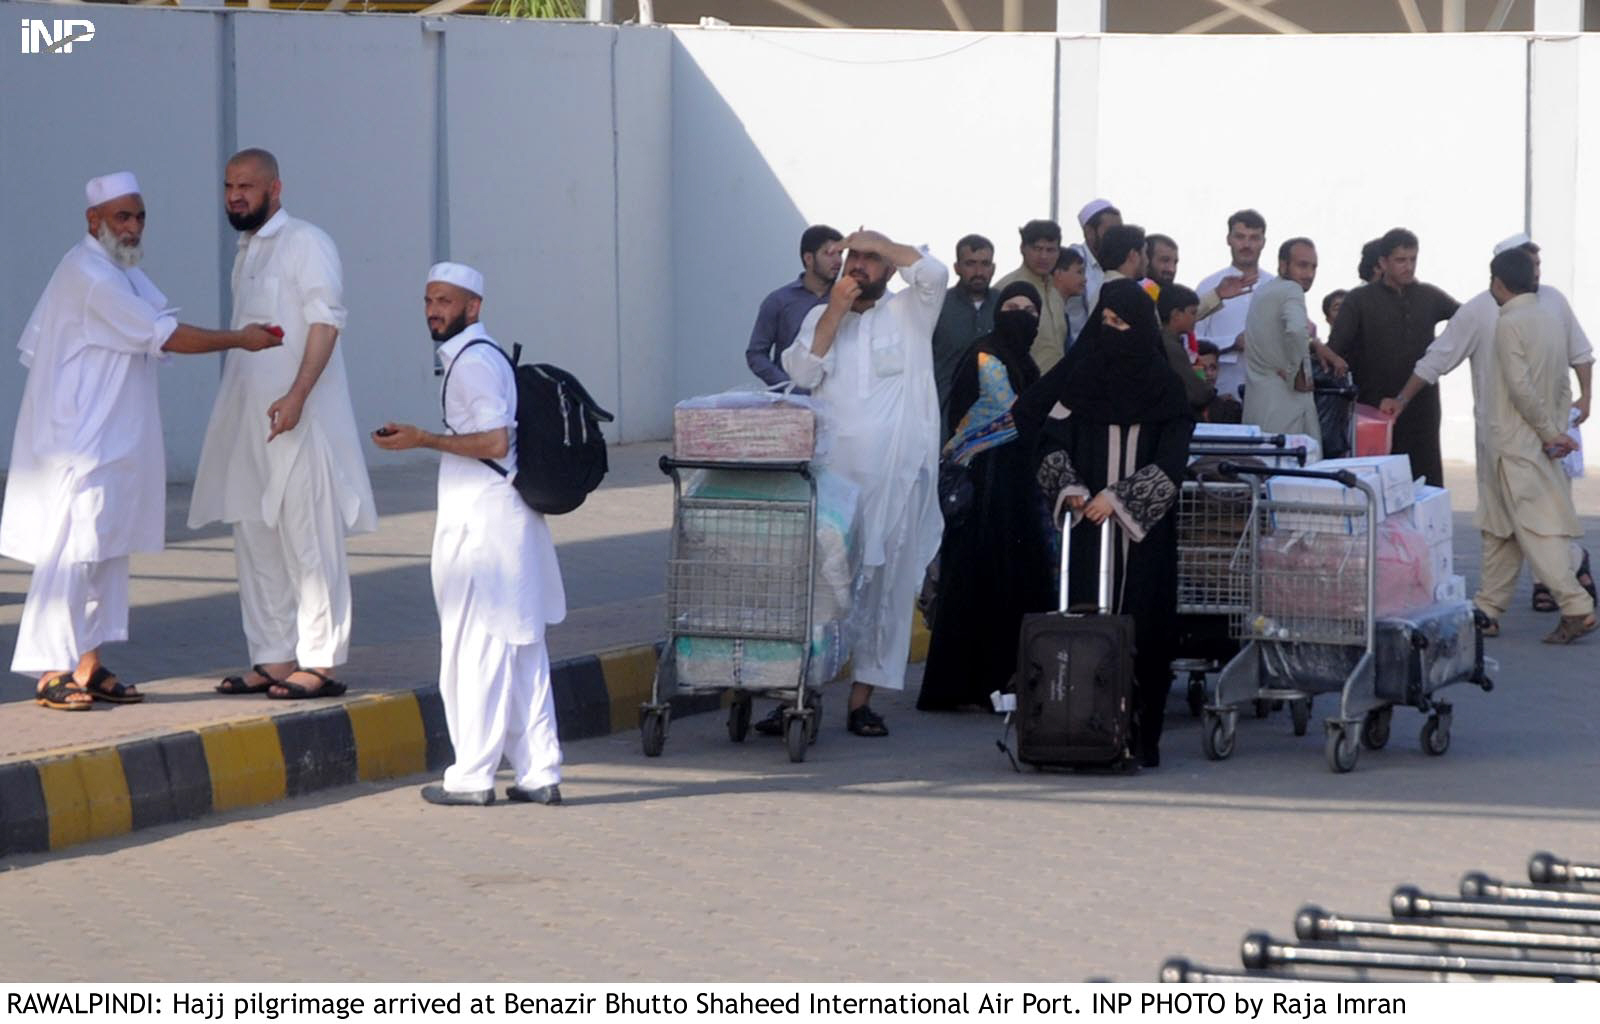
745, 426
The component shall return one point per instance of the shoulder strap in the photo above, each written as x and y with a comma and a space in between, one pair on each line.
445, 387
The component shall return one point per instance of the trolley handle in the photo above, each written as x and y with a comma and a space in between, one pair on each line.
1345, 391
670, 465
1343, 476
1298, 453
1272, 441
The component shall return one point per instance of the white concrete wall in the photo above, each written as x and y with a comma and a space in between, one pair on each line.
66, 118
925, 136
632, 193
1324, 135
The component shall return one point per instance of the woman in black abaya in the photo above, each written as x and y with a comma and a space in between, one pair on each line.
1119, 453
994, 565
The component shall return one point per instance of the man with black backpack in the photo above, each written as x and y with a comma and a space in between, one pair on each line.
495, 576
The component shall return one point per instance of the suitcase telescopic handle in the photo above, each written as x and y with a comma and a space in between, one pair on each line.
1345, 391
1103, 597
1343, 476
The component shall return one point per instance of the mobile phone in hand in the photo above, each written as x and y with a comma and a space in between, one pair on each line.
384, 432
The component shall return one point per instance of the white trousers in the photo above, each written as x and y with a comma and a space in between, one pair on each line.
497, 699
889, 598
72, 608
294, 583
1549, 556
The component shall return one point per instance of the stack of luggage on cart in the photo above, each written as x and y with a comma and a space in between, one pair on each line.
1300, 577
764, 564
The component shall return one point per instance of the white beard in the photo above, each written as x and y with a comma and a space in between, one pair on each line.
123, 255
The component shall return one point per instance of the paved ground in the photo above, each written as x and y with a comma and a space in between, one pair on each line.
919, 857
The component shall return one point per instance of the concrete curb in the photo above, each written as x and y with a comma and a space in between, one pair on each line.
74, 796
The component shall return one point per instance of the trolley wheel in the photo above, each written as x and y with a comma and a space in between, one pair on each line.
795, 733
1375, 730
1343, 746
1263, 707
814, 723
1300, 715
1216, 736
1197, 693
739, 718
652, 732
1435, 735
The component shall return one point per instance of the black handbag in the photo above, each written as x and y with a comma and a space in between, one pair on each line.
955, 492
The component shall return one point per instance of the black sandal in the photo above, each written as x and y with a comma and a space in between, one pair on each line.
118, 693
56, 691
863, 721
236, 685
1586, 578
1543, 600
330, 688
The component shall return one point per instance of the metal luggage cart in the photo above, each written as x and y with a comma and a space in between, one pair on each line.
1312, 629
741, 571
1216, 557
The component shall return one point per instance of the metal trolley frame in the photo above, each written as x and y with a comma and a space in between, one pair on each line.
1305, 625
739, 570
1216, 559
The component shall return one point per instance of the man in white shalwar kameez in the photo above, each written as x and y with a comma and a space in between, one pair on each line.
86, 486
1469, 336
1277, 353
868, 357
282, 459
1528, 402
495, 576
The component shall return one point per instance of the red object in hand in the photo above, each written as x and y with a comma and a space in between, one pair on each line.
275, 331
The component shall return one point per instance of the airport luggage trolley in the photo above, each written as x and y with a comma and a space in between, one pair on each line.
1216, 555
1313, 629
741, 571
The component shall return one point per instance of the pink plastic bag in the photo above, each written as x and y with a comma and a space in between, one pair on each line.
1374, 431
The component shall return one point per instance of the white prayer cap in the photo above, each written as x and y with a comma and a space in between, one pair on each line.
110, 186
1091, 208
458, 274
1516, 241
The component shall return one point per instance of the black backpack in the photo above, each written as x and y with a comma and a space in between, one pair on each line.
561, 454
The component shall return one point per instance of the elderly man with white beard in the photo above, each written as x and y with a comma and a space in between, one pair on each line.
87, 482
868, 357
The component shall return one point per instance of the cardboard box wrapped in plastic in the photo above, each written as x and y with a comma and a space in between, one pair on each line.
745, 426
713, 662
1317, 575
1389, 476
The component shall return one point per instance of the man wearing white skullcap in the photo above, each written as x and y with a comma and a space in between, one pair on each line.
1095, 218
1470, 336
87, 481
495, 576
282, 459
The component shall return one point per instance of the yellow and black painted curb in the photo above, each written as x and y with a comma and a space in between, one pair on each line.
63, 798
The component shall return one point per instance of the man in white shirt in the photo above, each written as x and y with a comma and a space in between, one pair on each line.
86, 486
1095, 218
869, 357
495, 576
282, 457
1224, 328
1469, 336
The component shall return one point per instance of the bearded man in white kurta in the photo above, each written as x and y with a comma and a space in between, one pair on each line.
1528, 402
1470, 336
495, 576
282, 456
868, 357
86, 486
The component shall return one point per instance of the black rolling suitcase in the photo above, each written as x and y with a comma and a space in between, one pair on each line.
1074, 681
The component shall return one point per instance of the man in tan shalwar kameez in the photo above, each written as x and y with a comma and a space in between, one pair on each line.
1527, 510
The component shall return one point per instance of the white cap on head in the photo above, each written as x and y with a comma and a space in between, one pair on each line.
1516, 241
110, 186
458, 274
1091, 208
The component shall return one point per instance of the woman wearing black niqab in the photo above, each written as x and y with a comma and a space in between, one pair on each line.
1120, 452
994, 565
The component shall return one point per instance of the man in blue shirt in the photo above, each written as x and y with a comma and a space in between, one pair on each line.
782, 311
